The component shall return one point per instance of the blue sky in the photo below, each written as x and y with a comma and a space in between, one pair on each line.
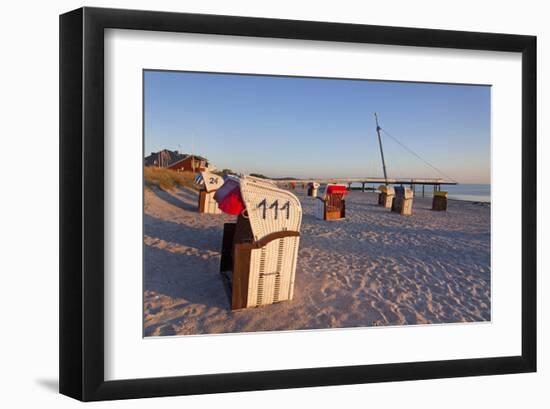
304, 127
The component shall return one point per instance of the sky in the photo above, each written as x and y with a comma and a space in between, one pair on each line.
315, 127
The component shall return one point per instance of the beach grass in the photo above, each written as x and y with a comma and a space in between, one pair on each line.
167, 179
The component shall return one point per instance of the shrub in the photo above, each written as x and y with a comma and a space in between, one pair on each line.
259, 175
167, 179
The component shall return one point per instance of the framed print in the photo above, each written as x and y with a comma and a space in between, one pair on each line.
253, 204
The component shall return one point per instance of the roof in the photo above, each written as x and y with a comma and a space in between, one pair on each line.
185, 157
168, 158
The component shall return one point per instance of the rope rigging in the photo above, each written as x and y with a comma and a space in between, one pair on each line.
417, 155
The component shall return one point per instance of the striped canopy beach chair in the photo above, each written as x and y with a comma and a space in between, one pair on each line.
330, 203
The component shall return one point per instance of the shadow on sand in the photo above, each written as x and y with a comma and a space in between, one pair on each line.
183, 199
205, 238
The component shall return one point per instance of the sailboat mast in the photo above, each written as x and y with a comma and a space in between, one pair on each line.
381, 150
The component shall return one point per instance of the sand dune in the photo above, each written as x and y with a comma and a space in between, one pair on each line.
373, 268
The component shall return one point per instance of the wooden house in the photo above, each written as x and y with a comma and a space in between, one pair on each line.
179, 162
190, 163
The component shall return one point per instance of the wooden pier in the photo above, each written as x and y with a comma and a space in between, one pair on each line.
435, 183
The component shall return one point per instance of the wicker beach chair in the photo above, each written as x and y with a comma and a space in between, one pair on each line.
440, 201
330, 203
386, 195
403, 201
210, 183
260, 251
312, 188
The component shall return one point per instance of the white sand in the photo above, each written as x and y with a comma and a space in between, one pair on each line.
373, 268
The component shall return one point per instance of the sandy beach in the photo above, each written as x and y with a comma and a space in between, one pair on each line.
373, 268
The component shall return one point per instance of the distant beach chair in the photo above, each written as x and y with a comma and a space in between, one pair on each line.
210, 183
403, 201
260, 250
312, 188
440, 201
386, 195
330, 203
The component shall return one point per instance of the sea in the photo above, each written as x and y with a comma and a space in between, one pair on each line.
463, 191
470, 192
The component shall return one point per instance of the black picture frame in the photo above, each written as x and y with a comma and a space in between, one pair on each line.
82, 200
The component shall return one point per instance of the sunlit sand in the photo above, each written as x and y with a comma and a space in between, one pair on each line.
373, 268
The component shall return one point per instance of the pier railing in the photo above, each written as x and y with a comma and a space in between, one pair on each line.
373, 180
435, 183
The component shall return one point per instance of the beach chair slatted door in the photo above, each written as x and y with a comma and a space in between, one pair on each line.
273, 270
334, 205
270, 211
210, 205
289, 247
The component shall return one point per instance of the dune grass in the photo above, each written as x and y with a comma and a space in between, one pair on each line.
167, 179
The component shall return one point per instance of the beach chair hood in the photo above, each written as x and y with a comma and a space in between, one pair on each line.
331, 188
340, 189
229, 196
269, 209
210, 181
404, 192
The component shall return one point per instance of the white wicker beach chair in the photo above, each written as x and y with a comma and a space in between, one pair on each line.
265, 244
210, 183
386, 196
440, 201
312, 189
403, 201
329, 206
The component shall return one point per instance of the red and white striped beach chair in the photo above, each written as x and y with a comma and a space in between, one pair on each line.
330, 203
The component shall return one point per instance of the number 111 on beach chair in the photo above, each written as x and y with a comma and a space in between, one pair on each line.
260, 250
